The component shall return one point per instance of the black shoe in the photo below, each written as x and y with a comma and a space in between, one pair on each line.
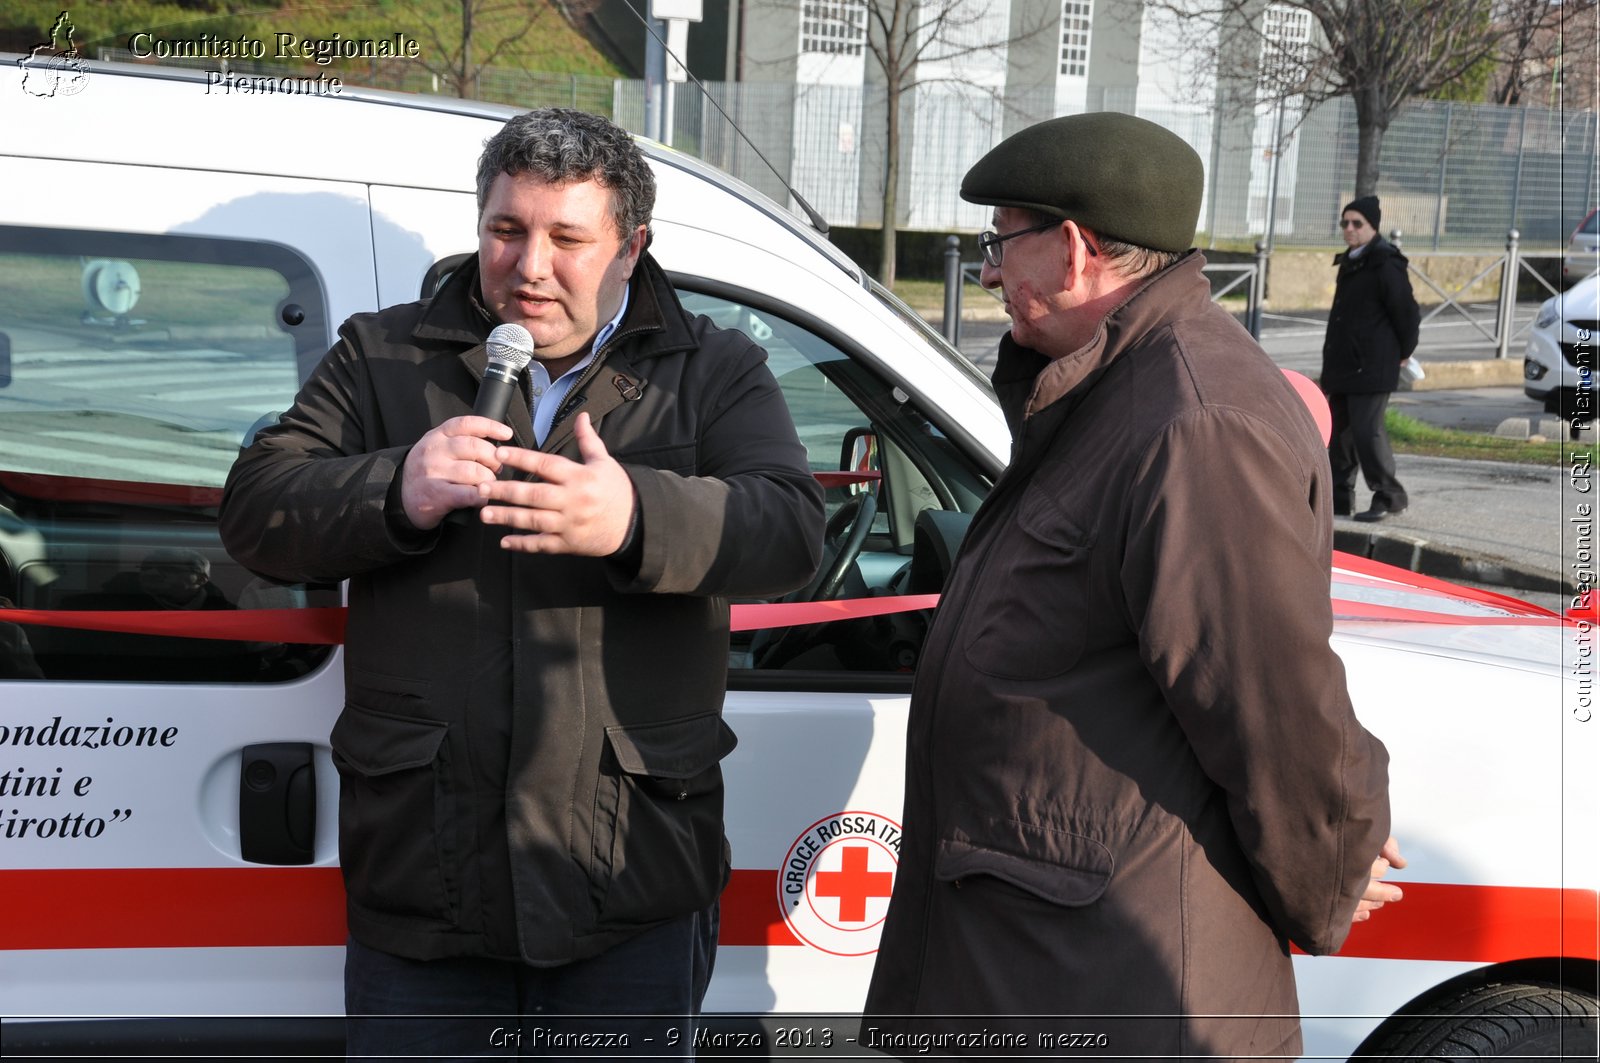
1341, 509
1379, 511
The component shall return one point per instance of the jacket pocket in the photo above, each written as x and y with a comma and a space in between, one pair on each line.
1030, 613
395, 826
1062, 868
658, 844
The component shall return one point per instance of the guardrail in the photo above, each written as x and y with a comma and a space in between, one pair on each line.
1511, 265
957, 274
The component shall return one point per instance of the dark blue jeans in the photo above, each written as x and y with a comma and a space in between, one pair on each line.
639, 998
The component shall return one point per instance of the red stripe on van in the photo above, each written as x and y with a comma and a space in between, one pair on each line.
133, 908
1480, 924
229, 907
158, 908
750, 912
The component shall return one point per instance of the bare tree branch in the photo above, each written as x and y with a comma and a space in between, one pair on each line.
1380, 53
909, 43
463, 49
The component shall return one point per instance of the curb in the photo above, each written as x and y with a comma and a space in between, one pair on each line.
1416, 554
1447, 374
1451, 374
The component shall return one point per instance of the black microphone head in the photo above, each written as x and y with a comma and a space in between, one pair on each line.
510, 349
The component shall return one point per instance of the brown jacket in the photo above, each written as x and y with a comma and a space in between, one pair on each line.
1133, 772
529, 747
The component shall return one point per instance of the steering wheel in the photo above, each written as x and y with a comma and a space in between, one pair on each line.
846, 531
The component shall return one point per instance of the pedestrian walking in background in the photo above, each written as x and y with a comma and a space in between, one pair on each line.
1372, 328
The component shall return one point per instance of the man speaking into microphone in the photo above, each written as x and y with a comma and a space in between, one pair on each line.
530, 815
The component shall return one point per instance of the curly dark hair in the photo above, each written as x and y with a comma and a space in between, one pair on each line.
560, 145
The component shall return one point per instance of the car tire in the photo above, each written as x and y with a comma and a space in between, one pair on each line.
1517, 1019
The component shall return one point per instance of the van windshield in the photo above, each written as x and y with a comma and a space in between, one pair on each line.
935, 338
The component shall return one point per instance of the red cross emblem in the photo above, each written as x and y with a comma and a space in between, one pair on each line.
835, 881
853, 884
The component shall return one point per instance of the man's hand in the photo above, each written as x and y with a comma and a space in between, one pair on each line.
443, 471
575, 508
1379, 892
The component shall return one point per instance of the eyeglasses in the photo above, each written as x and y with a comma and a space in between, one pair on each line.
1350, 223
989, 241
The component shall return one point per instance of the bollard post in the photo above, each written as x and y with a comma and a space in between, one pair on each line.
952, 290
1505, 313
1258, 290
1394, 238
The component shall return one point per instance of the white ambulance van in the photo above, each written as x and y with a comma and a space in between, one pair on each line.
173, 261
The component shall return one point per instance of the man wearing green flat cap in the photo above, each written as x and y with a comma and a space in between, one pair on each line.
1133, 775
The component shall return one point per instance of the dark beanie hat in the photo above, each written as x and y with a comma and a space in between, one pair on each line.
1118, 175
1367, 207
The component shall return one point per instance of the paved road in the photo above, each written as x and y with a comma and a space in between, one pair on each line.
1487, 523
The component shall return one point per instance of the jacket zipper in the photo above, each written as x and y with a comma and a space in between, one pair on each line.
933, 680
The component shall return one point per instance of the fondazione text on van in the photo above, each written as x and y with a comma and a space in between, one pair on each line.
321, 50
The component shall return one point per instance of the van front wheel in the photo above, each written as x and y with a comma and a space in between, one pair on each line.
1516, 1019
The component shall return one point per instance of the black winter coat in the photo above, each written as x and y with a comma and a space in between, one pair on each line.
1373, 324
529, 747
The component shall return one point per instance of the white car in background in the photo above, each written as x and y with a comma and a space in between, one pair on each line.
1583, 250
173, 263
1558, 365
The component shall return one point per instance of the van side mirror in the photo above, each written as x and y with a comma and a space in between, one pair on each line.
859, 453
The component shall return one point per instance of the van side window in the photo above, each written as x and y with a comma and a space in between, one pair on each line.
897, 495
131, 370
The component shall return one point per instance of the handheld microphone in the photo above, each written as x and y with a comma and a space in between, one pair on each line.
510, 350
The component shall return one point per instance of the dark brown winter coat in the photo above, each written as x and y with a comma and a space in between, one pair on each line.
1133, 771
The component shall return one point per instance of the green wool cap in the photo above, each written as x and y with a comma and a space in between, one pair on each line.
1115, 174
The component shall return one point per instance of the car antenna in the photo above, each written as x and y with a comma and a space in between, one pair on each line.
818, 222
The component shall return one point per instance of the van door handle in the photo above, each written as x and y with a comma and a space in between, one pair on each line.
277, 803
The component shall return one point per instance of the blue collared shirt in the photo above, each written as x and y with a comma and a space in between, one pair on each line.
547, 395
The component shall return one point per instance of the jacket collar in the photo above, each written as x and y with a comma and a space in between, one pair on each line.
456, 315
1378, 249
655, 324
1027, 382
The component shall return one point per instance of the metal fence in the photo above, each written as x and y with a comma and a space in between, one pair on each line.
1239, 279
1453, 175
1509, 270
